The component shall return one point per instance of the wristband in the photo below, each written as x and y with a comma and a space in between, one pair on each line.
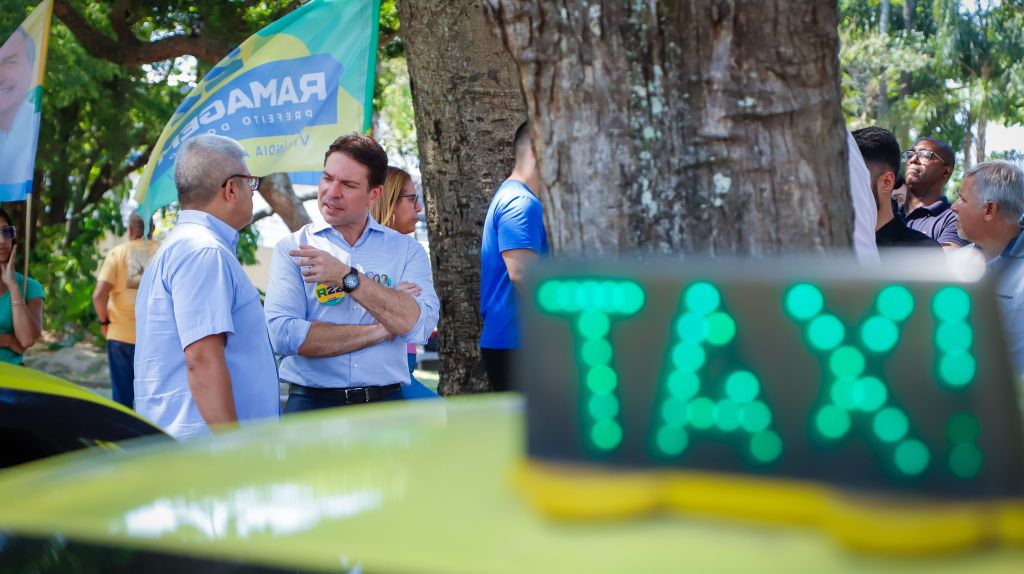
16, 303
107, 322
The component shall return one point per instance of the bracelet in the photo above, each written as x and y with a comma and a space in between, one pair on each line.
16, 303
107, 322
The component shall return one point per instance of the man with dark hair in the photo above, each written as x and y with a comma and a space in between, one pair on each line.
339, 303
513, 237
881, 153
929, 166
202, 355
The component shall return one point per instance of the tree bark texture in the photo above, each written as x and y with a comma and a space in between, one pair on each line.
699, 126
277, 190
468, 105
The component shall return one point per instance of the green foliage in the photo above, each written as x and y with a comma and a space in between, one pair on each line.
960, 68
389, 27
97, 117
67, 270
394, 104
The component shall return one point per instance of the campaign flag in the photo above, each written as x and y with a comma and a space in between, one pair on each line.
285, 94
22, 63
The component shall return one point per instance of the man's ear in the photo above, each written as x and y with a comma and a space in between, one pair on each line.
991, 211
375, 193
229, 192
886, 183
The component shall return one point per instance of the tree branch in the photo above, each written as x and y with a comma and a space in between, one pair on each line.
128, 50
302, 197
385, 39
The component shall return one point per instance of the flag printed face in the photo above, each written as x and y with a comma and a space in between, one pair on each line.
285, 94
22, 61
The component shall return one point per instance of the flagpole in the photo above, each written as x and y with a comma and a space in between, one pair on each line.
28, 246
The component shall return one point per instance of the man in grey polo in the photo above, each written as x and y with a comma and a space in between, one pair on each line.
202, 355
339, 306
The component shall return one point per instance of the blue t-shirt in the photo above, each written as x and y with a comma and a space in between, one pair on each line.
515, 220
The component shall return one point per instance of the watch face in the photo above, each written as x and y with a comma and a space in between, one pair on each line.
351, 281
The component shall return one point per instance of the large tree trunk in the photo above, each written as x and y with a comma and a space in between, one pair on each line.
277, 190
700, 126
468, 105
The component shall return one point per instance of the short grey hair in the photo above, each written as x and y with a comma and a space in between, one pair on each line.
1000, 182
202, 164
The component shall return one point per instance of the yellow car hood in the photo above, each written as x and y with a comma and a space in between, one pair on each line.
422, 486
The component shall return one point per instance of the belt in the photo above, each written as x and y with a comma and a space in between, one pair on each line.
345, 396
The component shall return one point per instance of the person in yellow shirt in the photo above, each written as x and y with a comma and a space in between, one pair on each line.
114, 301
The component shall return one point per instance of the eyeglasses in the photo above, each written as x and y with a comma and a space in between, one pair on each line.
251, 181
923, 155
8, 232
413, 196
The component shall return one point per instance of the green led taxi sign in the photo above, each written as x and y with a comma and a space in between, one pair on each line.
887, 380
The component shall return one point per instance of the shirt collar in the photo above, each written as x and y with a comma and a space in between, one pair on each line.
371, 224
1015, 248
226, 233
936, 208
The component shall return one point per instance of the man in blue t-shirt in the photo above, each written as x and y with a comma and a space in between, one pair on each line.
513, 238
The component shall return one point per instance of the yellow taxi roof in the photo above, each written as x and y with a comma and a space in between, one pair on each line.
20, 378
421, 486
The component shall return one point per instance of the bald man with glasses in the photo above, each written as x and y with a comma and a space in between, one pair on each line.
203, 357
928, 165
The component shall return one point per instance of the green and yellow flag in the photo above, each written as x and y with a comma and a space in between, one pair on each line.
22, 63
285, 94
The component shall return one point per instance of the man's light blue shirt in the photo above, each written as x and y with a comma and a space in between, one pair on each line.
193, 288
382, 255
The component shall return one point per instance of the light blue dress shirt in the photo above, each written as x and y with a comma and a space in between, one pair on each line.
382, 255
194, 287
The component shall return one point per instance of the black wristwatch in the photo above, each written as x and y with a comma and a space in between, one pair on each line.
350, 282
107, 322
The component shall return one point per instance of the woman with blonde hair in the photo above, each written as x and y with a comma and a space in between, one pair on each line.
398, 207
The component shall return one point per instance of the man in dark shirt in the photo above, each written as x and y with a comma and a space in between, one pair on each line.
881, 153
929, 166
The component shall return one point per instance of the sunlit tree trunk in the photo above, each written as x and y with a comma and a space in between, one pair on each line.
697, 126
468, 105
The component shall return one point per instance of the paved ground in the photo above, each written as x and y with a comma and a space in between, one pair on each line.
82, 363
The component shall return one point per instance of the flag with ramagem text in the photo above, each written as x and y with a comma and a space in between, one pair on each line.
284, 94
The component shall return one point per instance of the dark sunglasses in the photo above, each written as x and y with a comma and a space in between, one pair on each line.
8, 232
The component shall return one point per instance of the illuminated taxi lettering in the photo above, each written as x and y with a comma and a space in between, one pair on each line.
690, 401
592, 305
703, 327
